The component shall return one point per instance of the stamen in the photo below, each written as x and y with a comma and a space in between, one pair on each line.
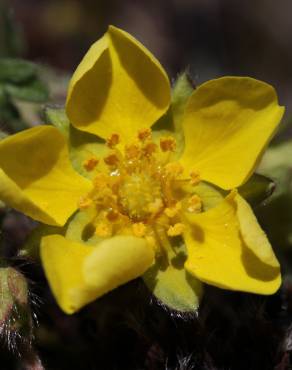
103, 229
111, 160
149, 149
173, 211
156, 206
90, 163
84, 203
132, 151
144, 134
195, 178
167, 144
100, 181
113, 140
195, 204
176, 229
173, 169
139, 229
112, 216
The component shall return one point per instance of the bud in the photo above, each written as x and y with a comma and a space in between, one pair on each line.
15, 318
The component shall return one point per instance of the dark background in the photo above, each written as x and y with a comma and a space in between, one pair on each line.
213, 37
126, 329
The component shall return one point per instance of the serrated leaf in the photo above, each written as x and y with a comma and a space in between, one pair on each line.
257, 189
172, 284
58, 118
16, 70
33, 91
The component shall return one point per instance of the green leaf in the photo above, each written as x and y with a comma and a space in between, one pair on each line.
16, 70
58, 118
172, 284
33, 91
257, 189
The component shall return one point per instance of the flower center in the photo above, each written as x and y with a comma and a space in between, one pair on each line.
141, 190
139, 196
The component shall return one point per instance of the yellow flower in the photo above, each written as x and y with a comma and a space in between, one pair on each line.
137, 207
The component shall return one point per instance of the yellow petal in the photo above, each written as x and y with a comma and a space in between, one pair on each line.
254, 237
228, 123
226, 252
63, 261
36, 176
116, 261
78, 273
119, 87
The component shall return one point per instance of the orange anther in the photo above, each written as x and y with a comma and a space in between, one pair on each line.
149, 149
132, 151
90, 163
113, 140
112, 216
144, 134
111, 160
167, 144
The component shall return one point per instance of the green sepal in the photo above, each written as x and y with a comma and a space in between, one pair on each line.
33, 90
58, 118
276, 163
82, 145
181, 92
171, 122
171, 284
16, 70
257, 189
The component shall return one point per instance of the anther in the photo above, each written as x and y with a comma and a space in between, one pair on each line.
112, 216
167, 144
144, 134
90, 163
139, 229
173, 169
149, 149
195, 178
132, 151
100, 181
103, 229
111, 160
84, 203
113, 140
155, 206
173, 211
176, 229
194, 204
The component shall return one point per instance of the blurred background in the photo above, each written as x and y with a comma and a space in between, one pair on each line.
210, 38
